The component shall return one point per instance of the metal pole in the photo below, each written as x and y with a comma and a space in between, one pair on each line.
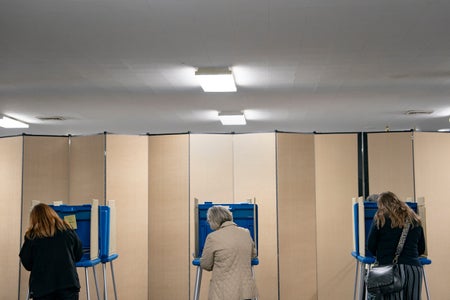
198, 282
87, 284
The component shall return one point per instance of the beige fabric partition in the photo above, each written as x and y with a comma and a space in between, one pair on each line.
211, 179
45, 179
432, 165
336, 157
127, 184
87, 169
390, 163
255, 177
10, 211
87, 182
168, 217
296, 216
303, 184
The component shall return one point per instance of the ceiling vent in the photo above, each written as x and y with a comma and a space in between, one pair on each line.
418, 112
52, 118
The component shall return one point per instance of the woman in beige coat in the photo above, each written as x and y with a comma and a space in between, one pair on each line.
227, 253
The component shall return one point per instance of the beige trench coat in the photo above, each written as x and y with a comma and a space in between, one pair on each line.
227, 253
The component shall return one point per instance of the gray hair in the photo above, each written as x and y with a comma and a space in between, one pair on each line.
217, 215
373, 198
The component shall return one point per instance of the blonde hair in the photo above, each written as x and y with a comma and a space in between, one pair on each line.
44, 222
389, 205
217, 215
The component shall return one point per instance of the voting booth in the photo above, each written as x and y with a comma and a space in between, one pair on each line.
95, 226
363, 213
244, 215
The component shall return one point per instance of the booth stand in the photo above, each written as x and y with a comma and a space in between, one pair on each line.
363, 213
244, 215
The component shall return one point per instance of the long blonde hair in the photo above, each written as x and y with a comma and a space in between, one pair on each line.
389, 205
44, 222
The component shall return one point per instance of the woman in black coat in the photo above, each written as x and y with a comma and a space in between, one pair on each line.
383, 239
50, 251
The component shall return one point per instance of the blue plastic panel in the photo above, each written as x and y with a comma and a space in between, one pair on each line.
244, 215
83, 217
104, 229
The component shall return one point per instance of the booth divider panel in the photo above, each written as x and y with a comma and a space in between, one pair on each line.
255, 177
168, 215
127, 184
432, 165
297, 216
211, 179
390, 162
87, 169
336, 184
45, 179
10, 210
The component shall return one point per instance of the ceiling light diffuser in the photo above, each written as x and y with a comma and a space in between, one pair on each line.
216, 79
6, 122
232, 118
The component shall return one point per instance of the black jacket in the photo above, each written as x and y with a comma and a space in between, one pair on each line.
52, 262
383, 242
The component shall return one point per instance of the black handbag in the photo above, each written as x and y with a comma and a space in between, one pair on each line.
383, 280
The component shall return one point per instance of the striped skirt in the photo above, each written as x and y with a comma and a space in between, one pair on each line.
413, 284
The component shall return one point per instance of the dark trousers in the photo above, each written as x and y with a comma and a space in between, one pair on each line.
65, 294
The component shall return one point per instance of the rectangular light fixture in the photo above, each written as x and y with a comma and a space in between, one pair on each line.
6, 122
232, 118
216, 79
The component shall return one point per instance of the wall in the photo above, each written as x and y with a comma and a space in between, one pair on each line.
336, 184
432, 164
127, 185
168, 217
87, 182
296, 216
231, 169
255, 178
10, 211
45, 179
303, 184
390, 162
211, 179
87, 169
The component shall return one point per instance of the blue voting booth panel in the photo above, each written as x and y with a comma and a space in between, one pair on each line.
244, 215
83, 217
104, 229
370, 208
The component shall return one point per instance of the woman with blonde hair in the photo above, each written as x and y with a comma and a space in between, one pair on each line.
228, 252
392, 215
50, 251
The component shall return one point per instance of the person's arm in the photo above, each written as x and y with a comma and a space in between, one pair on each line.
207, 259
78, 247
372, 240
25, 255
254, 253
421, 245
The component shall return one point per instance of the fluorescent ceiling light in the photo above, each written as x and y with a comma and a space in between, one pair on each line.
444, 130
232, 118
6, 122
216, 79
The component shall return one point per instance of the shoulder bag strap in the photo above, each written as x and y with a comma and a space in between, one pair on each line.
401, 242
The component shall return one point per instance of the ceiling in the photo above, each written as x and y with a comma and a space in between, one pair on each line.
127, 66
